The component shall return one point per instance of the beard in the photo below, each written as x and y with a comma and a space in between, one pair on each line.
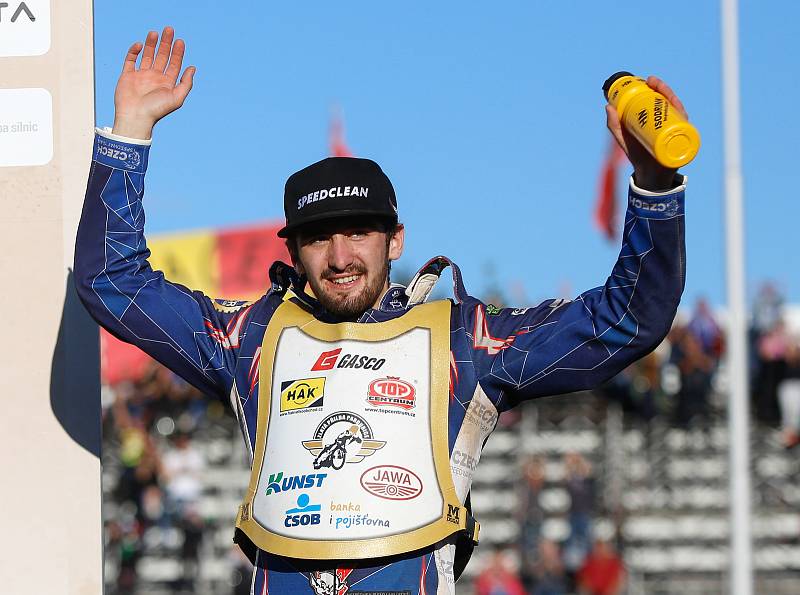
351, 306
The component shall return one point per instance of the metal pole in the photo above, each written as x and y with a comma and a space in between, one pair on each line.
741, 572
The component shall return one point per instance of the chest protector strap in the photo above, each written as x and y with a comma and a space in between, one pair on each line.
351, 458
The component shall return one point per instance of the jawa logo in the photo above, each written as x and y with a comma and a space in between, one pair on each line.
330, 359
307, 393
393, 392
391, 482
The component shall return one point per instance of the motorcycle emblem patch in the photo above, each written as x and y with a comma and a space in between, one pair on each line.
342, 437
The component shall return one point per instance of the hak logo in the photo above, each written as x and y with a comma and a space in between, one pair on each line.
306, 393
304, 514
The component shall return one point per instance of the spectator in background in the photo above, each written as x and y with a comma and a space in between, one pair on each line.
696, 371
139, 456
125, 543
767, 309
789, 395
192, 526
644, 385
548, 574
582, 494
498, 577
771, 348
183, 467
767, 317
530, 515
637, 388
705, 329
603, 572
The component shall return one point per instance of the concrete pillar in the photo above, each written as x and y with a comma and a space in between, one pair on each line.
50, 500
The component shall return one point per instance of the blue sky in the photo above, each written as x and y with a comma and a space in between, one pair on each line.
488, 118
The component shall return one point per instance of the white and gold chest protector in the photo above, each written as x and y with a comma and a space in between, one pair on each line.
351, 457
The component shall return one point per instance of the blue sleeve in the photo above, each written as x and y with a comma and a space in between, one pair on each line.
564, 346
193, 335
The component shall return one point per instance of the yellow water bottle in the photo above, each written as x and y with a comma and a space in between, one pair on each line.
652, 120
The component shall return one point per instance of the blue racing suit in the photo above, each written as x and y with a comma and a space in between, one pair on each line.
499, 356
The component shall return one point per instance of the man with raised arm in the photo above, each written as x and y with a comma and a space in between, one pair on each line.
333, 349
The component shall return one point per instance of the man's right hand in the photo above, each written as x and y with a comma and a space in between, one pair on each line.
147, 94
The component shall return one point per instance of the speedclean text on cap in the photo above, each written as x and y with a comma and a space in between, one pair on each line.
335, 192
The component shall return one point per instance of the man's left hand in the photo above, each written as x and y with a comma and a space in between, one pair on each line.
648, 173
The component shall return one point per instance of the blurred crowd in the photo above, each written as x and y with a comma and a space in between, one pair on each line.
678, 381
151, 428
581, 563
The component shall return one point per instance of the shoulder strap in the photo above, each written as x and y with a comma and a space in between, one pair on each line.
423, 282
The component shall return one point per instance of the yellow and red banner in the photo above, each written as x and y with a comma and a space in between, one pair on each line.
228, 263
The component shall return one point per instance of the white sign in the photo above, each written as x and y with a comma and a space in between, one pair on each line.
26, 126
24, 27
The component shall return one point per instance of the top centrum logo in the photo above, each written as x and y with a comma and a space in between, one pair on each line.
328, 360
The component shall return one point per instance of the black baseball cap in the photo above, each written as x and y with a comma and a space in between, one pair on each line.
337, 187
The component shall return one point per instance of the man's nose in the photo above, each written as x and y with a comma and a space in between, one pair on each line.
340, 255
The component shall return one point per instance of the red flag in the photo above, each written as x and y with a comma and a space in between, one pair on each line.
605, 208
244, 255
120, 361
338, 146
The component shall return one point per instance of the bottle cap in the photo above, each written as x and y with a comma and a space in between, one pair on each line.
613, 79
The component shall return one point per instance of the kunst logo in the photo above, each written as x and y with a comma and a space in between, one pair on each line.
278, 483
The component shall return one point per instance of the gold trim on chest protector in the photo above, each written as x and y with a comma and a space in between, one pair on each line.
434, 316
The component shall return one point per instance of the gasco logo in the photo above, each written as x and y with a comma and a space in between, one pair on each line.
328, 360
391, 482
393, 392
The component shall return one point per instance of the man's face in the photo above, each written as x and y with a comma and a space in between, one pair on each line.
347, 262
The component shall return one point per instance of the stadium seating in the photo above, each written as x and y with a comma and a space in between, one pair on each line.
663, 499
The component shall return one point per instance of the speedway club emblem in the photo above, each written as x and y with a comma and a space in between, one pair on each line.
342, 437
391, 482
393, 392
330, 582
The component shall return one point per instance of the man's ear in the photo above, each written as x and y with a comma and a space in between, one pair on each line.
396, 242
291, 246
